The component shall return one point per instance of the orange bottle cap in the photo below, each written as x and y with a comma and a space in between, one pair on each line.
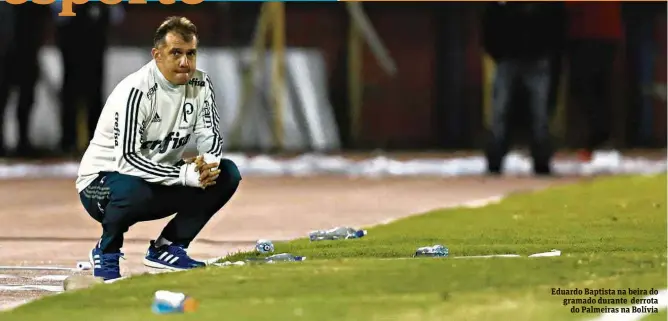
190, 305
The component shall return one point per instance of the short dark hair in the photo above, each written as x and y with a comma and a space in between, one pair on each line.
180, 25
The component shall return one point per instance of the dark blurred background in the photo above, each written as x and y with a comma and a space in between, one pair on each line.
440, 98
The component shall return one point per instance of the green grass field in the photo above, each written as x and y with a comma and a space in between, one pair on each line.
611, 231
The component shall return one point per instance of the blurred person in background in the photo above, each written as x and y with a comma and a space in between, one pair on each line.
639, 25
6, 35
595, 33
82, 41
522, 38
21, 68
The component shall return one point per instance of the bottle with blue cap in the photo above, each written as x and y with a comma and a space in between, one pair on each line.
264, 246
337, 233
432, 251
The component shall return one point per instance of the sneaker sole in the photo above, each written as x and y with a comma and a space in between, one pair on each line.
158, 265
92, 262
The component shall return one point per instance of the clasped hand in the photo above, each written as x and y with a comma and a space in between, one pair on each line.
208, 172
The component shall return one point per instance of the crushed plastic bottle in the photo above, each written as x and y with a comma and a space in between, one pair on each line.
285, 257
336, 233
165, 302
432, 251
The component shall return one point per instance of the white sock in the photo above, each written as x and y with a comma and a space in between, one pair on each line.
162, 241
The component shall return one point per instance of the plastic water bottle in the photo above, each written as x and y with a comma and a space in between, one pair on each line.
165, 302
336, 233
285, 257
432, 251
264, 246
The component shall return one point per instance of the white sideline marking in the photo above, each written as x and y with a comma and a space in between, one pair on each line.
485, 256
661, 297
37, 278
51, 278
35, 268
32, 287
542, 254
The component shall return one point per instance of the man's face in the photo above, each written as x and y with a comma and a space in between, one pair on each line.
176, 58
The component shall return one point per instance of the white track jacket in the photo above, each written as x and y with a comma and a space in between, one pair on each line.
146, 124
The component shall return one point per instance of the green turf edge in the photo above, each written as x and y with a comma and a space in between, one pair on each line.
384, 239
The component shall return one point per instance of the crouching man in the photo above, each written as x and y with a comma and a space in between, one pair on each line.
133, 169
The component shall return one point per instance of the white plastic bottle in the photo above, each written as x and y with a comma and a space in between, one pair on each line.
165, 302
337, 233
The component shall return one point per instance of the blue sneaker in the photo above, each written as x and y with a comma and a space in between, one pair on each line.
105, 266
171, 257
